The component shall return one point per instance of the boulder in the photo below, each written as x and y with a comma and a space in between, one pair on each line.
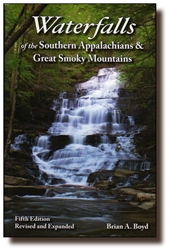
93, 140
27, 170
12, 180
129, 191
52, 180
7, 198
59, 142
105, 185
145, 196
145, 205
100, 176
96, 139
112, 138
55, 181
124, 173
138, 195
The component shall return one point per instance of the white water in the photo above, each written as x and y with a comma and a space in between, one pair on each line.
20, 139
90, 114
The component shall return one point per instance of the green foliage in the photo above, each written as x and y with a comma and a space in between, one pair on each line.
56, 77
26, 75
24, 94
11, 15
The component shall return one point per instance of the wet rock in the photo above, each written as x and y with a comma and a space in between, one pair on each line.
20, 154
45, 155
22, 141
105, 185
7, 198
112, 138
93, 140
11, 190
137, 165
50, 193
100, 176
27, 170
44, 177
96, 139
145, 205
145, 138
11, 180
138, 195
50, 179
149, 189
59, 142
129, 191
72, 191
124, 173
55, 181
145, 196
81, 92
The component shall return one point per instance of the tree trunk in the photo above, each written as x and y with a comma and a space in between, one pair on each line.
13, 78
15, 25
15, 35
14, 85
39, 74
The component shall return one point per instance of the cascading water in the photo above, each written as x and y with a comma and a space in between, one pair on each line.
85, 161
91, 130
18, 141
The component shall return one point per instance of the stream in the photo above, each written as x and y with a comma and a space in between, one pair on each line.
89, 140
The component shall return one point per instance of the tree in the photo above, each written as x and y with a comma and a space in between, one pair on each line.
37, 79
11, 38
14, 85
23, 27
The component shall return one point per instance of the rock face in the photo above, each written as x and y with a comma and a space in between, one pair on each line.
11, 180
122, 177
95, 139
21, 168
140, 104
146, 144
59, 142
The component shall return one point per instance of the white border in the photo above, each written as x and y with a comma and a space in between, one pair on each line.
162, 8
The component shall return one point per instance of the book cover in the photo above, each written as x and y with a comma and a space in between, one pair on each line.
80, 120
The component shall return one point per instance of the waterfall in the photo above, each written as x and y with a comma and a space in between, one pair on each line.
18, 141
88, 133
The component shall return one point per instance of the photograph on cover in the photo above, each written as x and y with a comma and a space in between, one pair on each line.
80, 120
